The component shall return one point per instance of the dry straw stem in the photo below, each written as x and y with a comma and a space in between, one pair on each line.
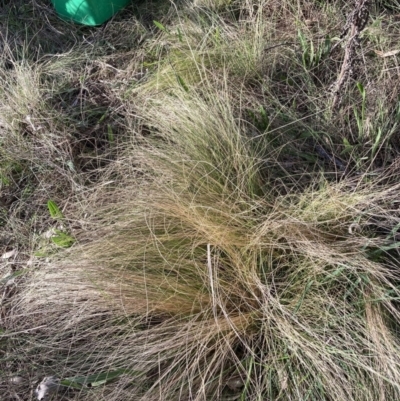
196, 274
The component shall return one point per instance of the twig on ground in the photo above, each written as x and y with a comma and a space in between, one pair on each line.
356, 22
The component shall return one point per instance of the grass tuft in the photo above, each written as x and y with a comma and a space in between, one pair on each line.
220, 232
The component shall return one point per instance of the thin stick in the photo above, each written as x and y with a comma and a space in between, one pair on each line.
210, 273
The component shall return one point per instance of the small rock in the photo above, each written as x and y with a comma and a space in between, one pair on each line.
17, 380
9, 254
48, 386
235, 382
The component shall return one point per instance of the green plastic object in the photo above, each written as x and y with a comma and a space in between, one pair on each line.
88, 12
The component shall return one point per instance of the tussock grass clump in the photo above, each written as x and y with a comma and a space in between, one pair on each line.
201, 285
235, 239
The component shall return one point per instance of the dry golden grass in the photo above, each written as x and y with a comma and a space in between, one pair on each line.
194, 273
218, 255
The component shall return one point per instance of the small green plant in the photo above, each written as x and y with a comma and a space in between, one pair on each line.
360, 114
54, 210
60, 238
110, 134
160, 26
182, 83
95, 380
260, 119
311, 56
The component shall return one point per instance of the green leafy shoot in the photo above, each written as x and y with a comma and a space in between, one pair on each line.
180, 37
93, 380
110, 134
182, 83
54, 210
11, 276
160, 26
62, 239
